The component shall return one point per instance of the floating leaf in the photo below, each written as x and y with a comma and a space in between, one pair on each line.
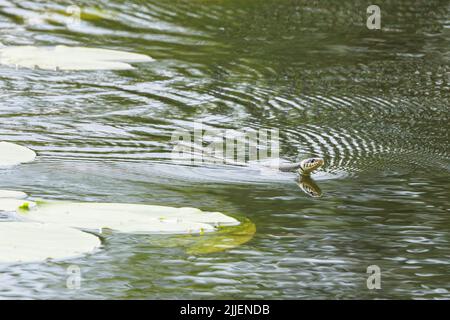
12, 205
69, 58
12, 194
129, 218
226, 238
35, 242
49, 229
12, 154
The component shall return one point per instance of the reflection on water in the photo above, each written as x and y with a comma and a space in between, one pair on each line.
373, 104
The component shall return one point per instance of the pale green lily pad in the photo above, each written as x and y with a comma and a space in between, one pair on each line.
12, 154
225, 239
129, 218
22, 242
12, 194
69, 58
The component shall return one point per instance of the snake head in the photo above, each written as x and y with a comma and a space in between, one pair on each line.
309, 165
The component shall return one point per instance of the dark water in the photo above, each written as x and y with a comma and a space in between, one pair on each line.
374, 104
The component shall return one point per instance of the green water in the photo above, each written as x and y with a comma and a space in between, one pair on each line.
373, 103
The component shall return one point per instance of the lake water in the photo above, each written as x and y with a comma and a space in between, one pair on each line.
373, 103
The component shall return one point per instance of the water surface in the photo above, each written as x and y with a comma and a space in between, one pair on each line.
374, 104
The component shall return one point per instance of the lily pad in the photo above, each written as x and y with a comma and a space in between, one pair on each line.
225, 239
129, 218
12, 194
50, 229
13, 205
12, 154
36, 242
69, 58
